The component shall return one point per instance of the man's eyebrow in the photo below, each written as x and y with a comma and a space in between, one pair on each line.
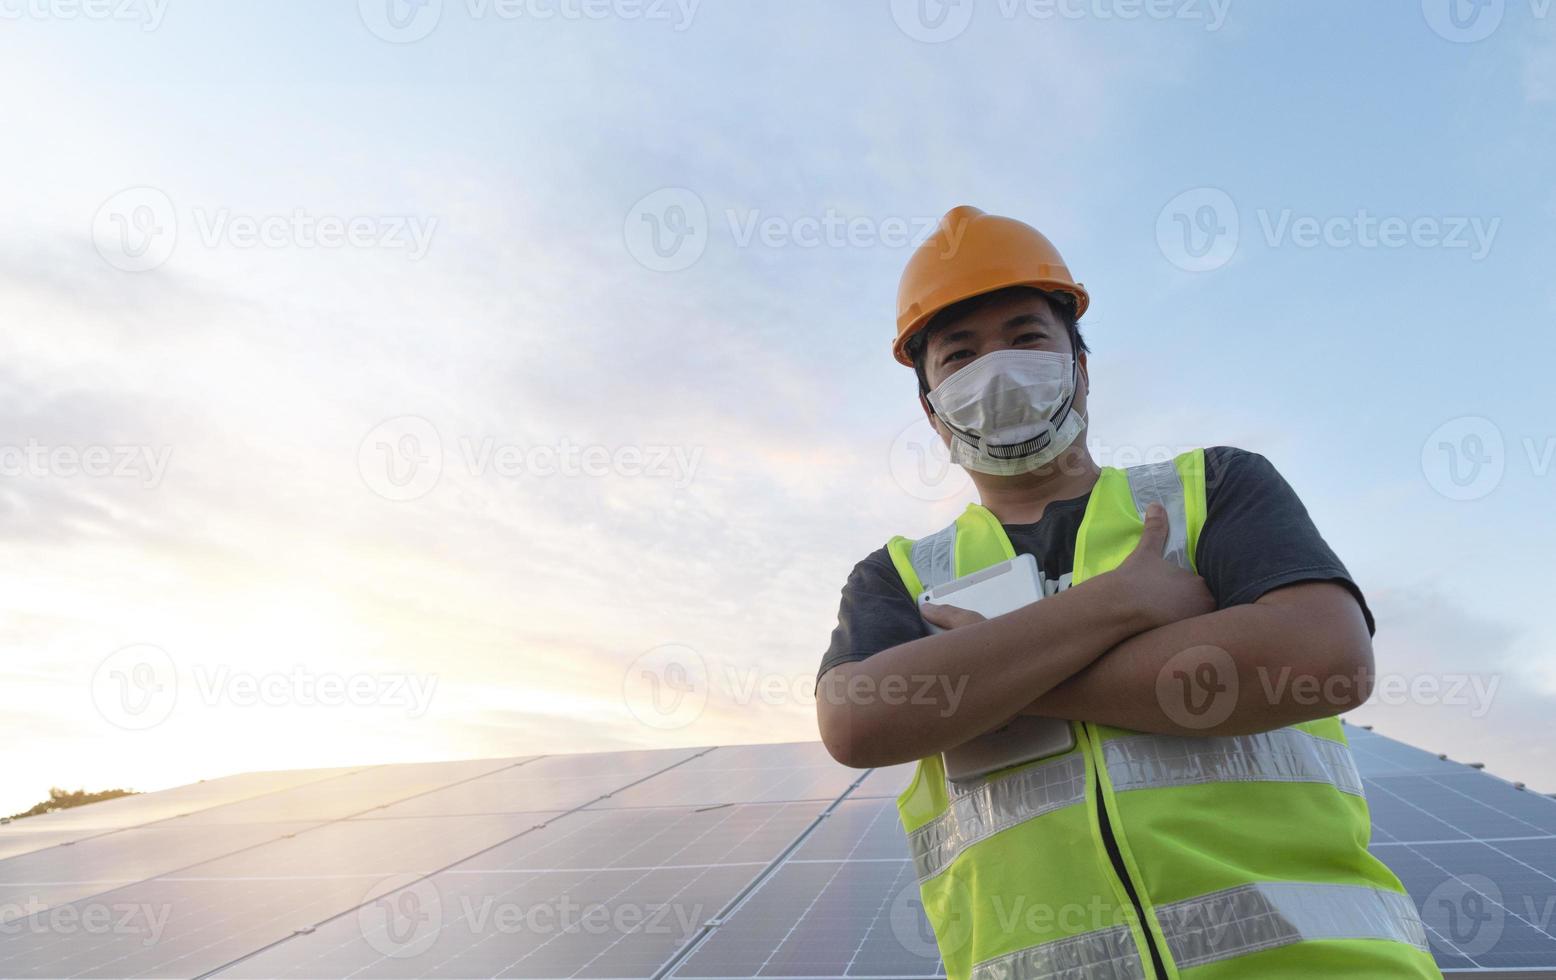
1022, 320
954, 336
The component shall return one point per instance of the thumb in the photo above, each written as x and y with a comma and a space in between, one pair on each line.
1153, 540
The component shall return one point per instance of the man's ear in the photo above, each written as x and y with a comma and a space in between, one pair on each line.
1085, 374
934, 420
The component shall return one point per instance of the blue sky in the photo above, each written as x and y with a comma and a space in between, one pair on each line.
504, 173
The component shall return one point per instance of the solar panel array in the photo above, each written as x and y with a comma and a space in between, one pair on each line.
735, 861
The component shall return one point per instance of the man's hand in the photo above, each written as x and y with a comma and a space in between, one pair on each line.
1160, 591
949, 617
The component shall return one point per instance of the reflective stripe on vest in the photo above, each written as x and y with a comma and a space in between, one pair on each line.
995, 805
1220, 926
1107, 954
1262, 916
932, 557
1159, 483
1286, 755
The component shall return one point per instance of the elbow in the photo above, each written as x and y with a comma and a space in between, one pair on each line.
842, 742
1354, 673
1343, 678
839, 726
1324, 639
844, 752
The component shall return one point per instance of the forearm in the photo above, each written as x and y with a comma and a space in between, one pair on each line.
1248, 668
937, 692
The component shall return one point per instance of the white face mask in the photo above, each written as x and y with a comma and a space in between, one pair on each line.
1010, 411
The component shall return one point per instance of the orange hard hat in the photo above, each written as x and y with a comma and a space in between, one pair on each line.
972, 253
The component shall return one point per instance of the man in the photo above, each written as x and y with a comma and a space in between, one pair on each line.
1207, 821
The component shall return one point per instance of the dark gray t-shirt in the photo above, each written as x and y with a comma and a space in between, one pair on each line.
1257, 537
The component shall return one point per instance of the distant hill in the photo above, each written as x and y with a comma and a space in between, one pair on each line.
64, 799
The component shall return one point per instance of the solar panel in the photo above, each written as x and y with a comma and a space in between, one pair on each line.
825, 919
56, 876
555, 783
604, 893
1476, 853
263, 882
889, 781
80, 823
844, 904
744, 774
353, 793
167, 927
742, 861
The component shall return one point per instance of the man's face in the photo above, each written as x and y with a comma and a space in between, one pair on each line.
1019, 320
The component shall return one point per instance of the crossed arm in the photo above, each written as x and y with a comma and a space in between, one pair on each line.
1297, 653
1140, 647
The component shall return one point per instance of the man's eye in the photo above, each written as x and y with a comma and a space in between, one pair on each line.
1031, 338
956, 355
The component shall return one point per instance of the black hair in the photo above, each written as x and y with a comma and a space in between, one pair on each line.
1062, 305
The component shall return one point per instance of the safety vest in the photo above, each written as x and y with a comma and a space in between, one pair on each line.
1238, 856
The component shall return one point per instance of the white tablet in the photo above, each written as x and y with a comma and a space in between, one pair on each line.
994, 591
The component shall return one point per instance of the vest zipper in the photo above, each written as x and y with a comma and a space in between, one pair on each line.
1158, 970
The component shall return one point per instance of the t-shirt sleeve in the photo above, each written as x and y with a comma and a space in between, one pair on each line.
1258, 536
875, 614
